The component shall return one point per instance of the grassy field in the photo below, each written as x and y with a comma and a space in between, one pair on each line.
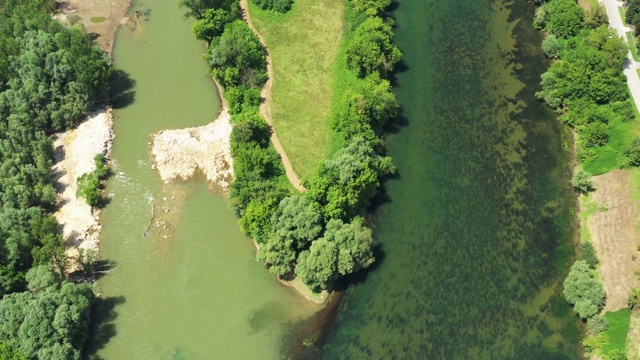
618, 327
303, 44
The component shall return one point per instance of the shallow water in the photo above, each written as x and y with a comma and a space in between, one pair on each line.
475, 232
190, 288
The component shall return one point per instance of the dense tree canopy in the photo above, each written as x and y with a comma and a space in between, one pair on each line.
372, 49
563, 18
48, 322
344, 185
365, 110
50, 77
237, 57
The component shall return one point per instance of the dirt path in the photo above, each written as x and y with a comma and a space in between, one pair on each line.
265, 107
614, 235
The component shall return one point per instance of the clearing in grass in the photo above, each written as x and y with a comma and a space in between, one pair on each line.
303, 44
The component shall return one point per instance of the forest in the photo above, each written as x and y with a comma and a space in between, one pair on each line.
321, 235
50, 77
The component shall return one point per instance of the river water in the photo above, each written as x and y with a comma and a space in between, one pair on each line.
190, 288
475, 235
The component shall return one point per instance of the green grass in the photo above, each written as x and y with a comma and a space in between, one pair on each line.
98, 19
303, 44
632, 46
610, 156
622, 14
618, 328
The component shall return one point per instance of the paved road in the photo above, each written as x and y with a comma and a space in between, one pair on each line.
615, 21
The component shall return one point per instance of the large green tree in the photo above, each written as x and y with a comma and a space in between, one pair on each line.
583, 290
345, 184
372, 49
564, 18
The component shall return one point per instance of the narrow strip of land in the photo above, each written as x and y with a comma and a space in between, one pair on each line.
265, 106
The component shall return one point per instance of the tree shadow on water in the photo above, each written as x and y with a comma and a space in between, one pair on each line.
102, 327
344, 282
122, 93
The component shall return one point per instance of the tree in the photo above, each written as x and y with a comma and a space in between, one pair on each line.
372, 49
354, 243
198, 8
583, 290
297, 220
582, 182
344, 185
366, 109
211, 24
371, 7
317, 267
239, 49
564, 18
596, 16
278, 254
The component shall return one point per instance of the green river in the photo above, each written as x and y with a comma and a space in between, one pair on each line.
475, 232
190, 289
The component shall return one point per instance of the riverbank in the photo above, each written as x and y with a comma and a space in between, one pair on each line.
75, 149
99, 17
74, 152
207, 149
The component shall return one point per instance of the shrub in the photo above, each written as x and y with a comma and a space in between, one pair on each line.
597, 324
594, 134
616, 354
632, 153
371, 49
581, 181
90, 184
551, 46
596, 342
588, 254
634, 299
281, 6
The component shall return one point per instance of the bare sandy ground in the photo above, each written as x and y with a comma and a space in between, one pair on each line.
180, 154
74, 153
614, 233
100, 18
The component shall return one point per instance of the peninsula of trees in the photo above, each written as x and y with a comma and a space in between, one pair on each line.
319, 235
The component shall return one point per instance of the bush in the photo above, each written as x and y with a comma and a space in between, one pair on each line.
583, 290
597, 324
588, 254
90, 184
624, 109
581, 181
281, 6
594, 134
616, 354
371, 49
632, 153
634, 299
